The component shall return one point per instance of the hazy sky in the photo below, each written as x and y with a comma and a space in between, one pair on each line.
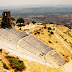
31, 2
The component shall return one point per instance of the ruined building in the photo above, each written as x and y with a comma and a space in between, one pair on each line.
7, 17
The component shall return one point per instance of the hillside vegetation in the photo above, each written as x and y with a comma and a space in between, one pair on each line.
11, 61
56, 36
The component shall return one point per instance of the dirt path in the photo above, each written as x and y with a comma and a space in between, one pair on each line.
66, 45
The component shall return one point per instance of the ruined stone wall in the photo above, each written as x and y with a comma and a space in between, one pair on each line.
7, 17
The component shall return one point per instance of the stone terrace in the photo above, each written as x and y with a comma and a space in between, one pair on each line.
11, 39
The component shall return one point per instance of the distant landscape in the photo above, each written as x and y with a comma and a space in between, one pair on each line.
47, 14
40, 10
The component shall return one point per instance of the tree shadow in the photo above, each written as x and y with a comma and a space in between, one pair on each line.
8, 26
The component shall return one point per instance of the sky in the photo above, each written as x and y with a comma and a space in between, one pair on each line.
34, 2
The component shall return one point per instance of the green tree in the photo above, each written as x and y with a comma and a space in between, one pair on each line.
33, 22
12, 18
3, 24
20, 20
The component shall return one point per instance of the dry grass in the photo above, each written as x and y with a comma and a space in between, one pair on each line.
31, 66
56, 43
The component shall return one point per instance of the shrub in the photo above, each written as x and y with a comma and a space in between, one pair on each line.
49, 41
53, 28
4, 65
64, 32
20, 29
56, 41
35, 33
39, 29
49, 28
0, 50
70, 27
65, 25
70, 42
33, 22
48, 31
50, 35
15, 63
65, 40
51, 32
63, 55
45, 27
38, 32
